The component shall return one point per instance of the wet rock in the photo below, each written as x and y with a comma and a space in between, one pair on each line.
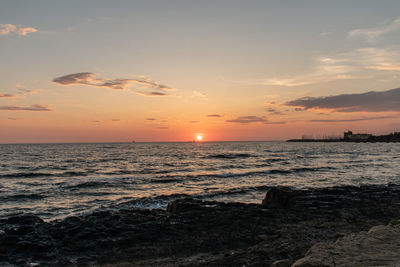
278, 198
184, 204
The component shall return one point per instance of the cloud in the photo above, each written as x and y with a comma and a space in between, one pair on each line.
26, 30
360, 63
151, 119
326, 69
89, 79
368, 102
29, 108
272, 111
371, 34
152, 93
276, 122
248, 119
6, 29
357, 119
20, 93
194, 121
215, 115
385, 67
115, 120
198, 94
162, 127
325, 33
5, 95
76, 78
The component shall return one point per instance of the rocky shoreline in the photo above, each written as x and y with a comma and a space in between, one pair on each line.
193, 232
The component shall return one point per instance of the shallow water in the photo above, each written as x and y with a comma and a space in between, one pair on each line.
57, 180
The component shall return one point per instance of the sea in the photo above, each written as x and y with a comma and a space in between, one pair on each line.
54, 181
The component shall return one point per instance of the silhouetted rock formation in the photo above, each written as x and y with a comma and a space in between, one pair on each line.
278, 198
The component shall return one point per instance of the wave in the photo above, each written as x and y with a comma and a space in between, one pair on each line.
86, 185
164, 181
73, 173
159, 202
23, 197
43, 174
230, 156
243, 174
26, 175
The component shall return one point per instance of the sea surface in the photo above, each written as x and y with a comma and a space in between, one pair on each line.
57, 180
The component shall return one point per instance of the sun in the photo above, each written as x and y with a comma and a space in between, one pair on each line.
199, 137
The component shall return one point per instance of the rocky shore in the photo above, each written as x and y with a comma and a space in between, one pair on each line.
192, 232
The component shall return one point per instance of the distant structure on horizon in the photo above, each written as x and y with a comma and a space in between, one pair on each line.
350, 136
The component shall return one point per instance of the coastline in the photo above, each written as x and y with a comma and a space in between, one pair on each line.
193, 232
356, 138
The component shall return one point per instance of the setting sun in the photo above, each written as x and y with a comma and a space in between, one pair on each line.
199, 137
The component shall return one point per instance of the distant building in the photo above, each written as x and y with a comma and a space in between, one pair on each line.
350, 136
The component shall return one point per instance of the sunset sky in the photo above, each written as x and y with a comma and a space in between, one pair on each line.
99, 71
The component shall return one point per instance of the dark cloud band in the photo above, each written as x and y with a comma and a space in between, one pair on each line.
29, 108
368, 102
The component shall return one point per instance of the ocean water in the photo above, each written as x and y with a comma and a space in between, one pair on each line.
57, 180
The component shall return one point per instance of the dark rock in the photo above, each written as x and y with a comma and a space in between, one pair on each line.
184, 204
282, 263
278, 198
195, 232
23, 220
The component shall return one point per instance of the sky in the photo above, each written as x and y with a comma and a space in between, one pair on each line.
118, 71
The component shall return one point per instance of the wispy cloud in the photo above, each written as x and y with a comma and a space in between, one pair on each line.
151, 119
194, 121
248, 119
360, 63
152, 93
198, 94
115, 120
272, 111
368, 102
20, 93
386, 67
326, 69
276, 122
6, 29
371, 34
89, 78
215, 115
28, 108
7, 95
357, 119
254, 119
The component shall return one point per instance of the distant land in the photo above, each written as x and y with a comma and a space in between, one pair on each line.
350, 137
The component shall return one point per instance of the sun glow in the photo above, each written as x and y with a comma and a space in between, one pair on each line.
199, 137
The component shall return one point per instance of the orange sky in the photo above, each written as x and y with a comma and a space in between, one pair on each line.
123, 71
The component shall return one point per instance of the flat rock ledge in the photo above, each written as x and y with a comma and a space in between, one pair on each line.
380, 246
